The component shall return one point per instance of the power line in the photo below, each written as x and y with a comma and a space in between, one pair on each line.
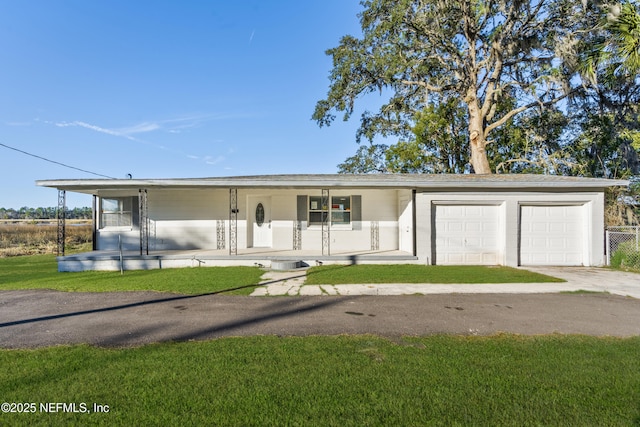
54, 162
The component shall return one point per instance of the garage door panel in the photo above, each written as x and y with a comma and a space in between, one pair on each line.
551, 235
467, 234
473, 226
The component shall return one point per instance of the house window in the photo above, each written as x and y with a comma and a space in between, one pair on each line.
341, 210
338, 210
318, 210
116, 212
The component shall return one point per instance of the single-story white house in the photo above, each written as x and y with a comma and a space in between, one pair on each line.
512, 220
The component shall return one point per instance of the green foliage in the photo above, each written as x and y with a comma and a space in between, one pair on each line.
431, 54
433, 61
368, 159
605, 146
626, 257
409, 157
330, 381
408, 273
44, 213
440, 144
531, 143
606, 112
614, 50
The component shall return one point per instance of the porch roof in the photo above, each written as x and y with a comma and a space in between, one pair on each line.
372, 181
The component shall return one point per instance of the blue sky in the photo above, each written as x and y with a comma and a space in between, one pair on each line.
166, 89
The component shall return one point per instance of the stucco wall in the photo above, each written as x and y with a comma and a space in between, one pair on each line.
193, 218
509, 203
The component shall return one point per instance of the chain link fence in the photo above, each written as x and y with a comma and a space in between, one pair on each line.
623, 246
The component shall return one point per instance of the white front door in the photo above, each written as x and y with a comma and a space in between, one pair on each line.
261, 219
405, 224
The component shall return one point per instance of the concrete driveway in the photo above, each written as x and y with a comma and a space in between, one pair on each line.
577, 278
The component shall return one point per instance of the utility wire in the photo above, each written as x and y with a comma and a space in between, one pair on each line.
53, 161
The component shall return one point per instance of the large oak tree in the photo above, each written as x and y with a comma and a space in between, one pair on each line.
425, 52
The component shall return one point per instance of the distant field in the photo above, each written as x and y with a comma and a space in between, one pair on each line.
29, 237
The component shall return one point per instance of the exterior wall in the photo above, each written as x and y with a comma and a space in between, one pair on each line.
509, 207
377, 206
199, 219
185, 219
182, 219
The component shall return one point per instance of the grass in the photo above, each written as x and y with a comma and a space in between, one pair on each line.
346, 381
340, 274
40, 272
343, 380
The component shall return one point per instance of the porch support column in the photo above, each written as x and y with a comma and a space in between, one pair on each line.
414, 223
144, 221
62, 220
326, 237
233, 221
94, 222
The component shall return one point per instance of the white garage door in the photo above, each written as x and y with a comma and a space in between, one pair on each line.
467, 234
551, 235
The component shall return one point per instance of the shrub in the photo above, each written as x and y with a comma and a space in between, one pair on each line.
626, 256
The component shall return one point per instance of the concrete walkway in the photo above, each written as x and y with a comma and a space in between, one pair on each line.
277, 283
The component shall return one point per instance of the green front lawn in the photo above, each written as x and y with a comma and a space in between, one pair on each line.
40, 272
345, 381
341, 274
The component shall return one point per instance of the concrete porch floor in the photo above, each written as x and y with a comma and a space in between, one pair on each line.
132, 260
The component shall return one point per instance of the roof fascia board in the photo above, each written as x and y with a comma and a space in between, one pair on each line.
424, 184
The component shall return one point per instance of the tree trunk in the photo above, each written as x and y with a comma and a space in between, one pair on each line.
479, 159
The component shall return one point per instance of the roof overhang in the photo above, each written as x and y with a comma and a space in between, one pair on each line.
419, 182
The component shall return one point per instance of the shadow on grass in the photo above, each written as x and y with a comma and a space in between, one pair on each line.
134, 305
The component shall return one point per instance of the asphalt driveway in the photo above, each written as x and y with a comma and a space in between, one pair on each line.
40, 318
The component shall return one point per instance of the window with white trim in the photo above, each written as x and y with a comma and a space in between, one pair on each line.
318, 210
116, 212
341, 210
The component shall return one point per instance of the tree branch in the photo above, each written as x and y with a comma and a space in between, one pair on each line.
423, 84
518, 110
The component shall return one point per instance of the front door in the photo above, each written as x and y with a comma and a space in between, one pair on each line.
405, 224
261, 219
